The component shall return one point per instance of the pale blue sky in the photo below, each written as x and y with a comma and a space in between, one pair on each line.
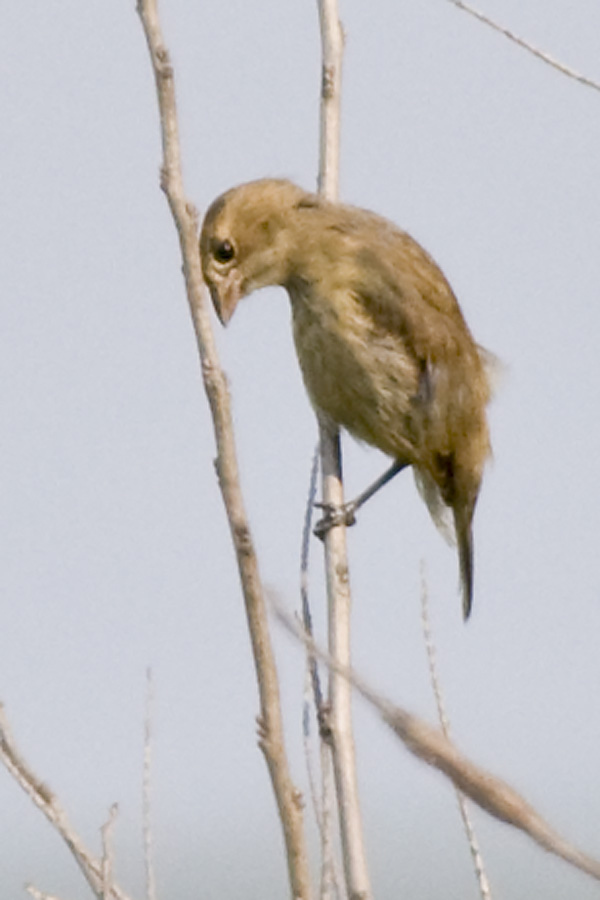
114, 550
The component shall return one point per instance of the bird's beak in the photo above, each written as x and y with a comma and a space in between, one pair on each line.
226, 295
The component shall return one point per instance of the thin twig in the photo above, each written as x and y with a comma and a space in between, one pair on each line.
336, 559
108, 857
430, 745
541, 54
147, 791
480, 873
308, 750
39, 895
271, 739
322, 801
313, 699
46, 801
304, 573
332, 878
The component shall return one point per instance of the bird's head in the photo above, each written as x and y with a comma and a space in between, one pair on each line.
247, 241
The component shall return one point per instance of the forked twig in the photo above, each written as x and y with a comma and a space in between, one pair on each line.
45, 800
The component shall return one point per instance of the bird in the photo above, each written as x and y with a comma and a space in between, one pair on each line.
383, 346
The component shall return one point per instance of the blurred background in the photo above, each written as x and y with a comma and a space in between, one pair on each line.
114, 548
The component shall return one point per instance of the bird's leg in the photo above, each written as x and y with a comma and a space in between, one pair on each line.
346, 514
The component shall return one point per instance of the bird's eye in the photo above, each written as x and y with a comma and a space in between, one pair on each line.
223, 251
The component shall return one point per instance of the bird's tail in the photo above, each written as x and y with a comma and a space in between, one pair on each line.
461, 533
463, 517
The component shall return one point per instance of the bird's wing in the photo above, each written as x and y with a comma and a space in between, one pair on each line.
406, 294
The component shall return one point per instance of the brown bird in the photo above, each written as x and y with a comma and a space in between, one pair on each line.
383, 346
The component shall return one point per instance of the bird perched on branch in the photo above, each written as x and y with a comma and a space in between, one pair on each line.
383, 346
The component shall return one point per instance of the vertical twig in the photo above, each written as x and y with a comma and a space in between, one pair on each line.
107, 865
332, 50
270, 720
323, 802
313, 699
147, 791
336, 565
480, 873
317, 693
332, 879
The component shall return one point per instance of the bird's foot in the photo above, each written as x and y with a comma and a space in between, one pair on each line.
334, 515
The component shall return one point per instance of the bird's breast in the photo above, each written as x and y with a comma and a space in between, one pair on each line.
361, 377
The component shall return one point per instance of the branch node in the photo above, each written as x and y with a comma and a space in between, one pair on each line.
192, 212
328, 82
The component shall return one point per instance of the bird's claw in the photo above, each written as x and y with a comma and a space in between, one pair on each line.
334, 515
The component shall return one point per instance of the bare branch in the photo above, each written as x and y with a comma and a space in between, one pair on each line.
185, 217
332, 47
336, 560
45, 800
430, 745
480, 873
541, 54
147, 791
